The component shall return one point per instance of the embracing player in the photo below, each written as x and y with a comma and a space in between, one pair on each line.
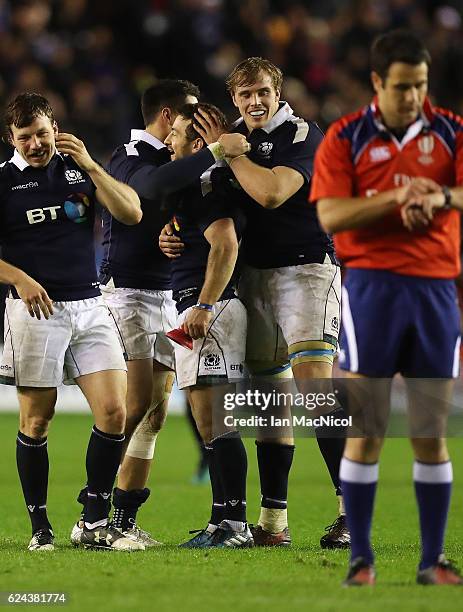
291, 281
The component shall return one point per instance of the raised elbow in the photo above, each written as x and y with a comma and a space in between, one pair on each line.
271, 201
132, 217
327, 225
138, 215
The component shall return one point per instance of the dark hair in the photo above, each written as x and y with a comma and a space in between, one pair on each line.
247, 73
166, 92
397, 46
188, 112
23, 109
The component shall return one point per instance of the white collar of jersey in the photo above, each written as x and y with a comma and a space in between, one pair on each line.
282, 114
422, 122
20, 163
143, 135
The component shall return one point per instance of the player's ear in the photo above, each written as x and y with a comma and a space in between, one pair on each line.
234, 100
55, 128
376, 81
278, 94
166, 114
198, 144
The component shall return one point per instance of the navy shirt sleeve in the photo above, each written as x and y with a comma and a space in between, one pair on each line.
154, 183
123, 166
298, 149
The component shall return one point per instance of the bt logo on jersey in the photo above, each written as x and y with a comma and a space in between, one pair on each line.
37, 215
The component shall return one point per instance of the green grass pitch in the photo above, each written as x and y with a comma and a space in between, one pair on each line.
301, 578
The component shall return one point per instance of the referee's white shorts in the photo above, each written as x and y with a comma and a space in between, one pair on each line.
79, 338
142, 317
219, 357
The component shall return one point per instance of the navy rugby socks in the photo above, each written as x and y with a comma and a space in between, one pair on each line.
433, 487
218, 503
358, 481
32, 462
331, 442
104, 455
274, 462
126, 505
232, 462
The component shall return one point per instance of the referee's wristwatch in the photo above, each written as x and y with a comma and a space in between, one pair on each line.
448, 198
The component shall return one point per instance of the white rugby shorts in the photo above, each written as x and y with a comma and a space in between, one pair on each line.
142, 317
220, 355
79, 338
288, 306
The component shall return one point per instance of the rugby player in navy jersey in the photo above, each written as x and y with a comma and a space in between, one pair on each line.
291, 284
56, 324
135, 282
135, 279
210, 225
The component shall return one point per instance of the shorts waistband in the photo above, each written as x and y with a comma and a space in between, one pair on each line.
371, 275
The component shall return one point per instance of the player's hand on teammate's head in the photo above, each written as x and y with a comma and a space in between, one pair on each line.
207, 124
234, 144
71, 145
34, 296
169, 243
197, 323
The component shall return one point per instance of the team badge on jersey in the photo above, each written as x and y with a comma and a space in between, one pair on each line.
265, 148
74, 176
76, 206
426, 146
212, 361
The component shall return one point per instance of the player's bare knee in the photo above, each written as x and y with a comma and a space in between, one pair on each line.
364, 450
35, 426
113, 414
135, 414
205, 430
157, 417
430, 450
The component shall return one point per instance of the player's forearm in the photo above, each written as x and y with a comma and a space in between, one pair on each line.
154, 183
340, 214
10, 275
220, 265
260, 183
119, 199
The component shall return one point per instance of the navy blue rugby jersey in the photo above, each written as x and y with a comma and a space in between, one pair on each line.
46, 225
131, 253
196, 208
290, 234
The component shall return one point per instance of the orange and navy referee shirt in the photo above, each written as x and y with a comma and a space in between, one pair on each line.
359, 157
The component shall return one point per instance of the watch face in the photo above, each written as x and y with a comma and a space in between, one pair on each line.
447, 196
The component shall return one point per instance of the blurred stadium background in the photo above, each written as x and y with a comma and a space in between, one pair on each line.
93, 59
